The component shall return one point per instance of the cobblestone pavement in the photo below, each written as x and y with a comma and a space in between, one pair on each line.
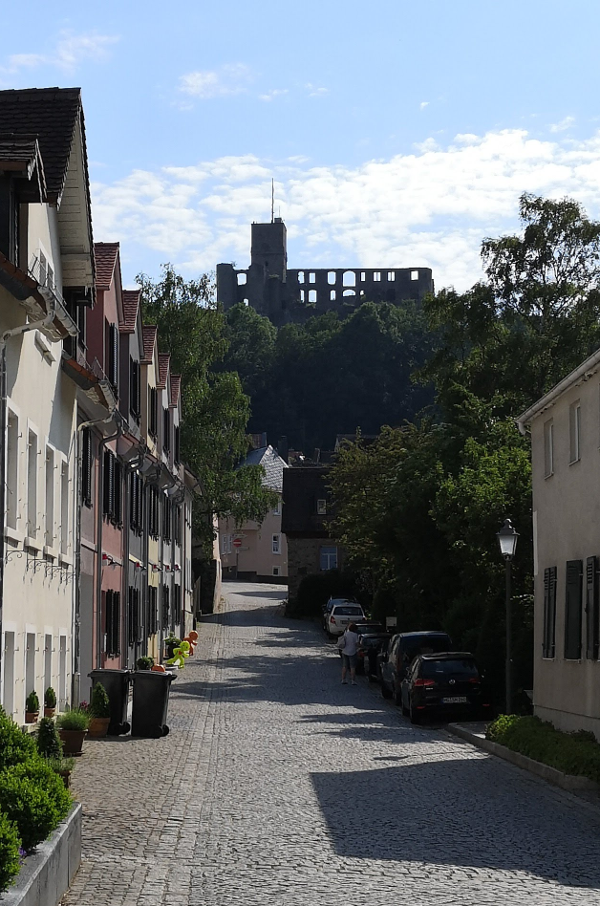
278, 785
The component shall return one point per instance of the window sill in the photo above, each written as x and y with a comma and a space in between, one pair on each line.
65, 560
32, 543
50, 552
14, 535
44, 347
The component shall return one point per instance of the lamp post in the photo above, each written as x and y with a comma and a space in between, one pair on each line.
507, 539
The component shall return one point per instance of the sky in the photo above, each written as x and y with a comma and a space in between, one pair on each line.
398, 134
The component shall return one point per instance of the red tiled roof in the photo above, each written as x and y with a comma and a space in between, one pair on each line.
163, 369
106, 254
149, 335
175, 389
131, 306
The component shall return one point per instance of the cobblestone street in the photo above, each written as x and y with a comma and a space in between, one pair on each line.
279, 785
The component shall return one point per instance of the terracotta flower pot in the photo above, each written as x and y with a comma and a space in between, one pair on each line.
66, 778
98, 727
49, 712
31, 716
72, 741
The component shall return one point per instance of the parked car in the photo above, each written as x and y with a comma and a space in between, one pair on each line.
444, 684
332, 603
362, 629
403, 648
341, 616
369, 646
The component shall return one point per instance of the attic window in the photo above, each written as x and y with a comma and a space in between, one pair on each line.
321, 507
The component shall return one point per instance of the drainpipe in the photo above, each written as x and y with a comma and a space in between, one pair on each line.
76, 628
6, 336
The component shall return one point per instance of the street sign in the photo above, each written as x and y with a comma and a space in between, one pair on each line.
237, 542
390, 622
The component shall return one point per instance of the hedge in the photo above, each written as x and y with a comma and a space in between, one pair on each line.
572, 753
10, 843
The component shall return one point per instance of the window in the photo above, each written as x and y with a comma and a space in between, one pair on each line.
275, 570
377, 276
349, 278
152, 609
328, 558
311, 277
112, 622
177, 604
177, 524
276, 544
64, 508
312, 296
112, 356
12, 471
332, 295
133, 616
86, 466
321, 507
548, 643
331, 278
32, 453
391, 276
134, 388
277, 510
136, 490
153, 507
575, 432
573, 610
592, 633
414, 275
548, 448
166, 518
300, 276
153, 412
166, 607
167, 430
177, 450
226, 544
242, 279
363, 276
112, 504
49, 534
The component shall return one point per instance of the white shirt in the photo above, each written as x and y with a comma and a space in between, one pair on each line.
351, 645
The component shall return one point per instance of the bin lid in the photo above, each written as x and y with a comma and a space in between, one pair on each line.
99, 671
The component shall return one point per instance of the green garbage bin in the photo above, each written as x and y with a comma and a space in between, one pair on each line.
116, 683
150, 703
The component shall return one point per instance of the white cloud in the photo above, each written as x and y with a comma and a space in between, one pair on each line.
206, 84
68, 52
274, 93
423, 105
563, 125
430, 208
315, 91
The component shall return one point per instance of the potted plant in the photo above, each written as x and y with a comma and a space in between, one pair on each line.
72, 728
99, 712
49, 702
171, 642
48, 740
145, 663
62, 766
32, 708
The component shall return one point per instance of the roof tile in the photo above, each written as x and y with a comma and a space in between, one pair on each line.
131, 307
106, 254
175, 389
149, 335
164, 360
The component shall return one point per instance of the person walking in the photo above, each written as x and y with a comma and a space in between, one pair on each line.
349, 647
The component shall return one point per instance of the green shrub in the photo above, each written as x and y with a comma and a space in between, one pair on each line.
572, 753
32, 702
45, 777
75, 719
60, 764
100, 703
48, 740
15, 746
50, 698
29, 805
145, 663
9, 851
315, 590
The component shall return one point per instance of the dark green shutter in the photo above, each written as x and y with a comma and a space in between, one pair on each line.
573, 606
549, 612
591, 608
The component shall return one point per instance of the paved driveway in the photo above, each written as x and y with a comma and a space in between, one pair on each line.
279, 785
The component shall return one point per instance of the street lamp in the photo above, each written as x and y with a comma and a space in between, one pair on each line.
507, 539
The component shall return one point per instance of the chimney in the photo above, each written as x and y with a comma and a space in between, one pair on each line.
282, 448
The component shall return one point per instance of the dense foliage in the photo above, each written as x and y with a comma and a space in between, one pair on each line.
573, 753
215, 408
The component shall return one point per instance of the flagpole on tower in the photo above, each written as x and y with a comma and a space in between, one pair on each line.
272, 200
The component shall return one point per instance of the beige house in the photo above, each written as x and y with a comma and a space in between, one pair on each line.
565, 441
258, 550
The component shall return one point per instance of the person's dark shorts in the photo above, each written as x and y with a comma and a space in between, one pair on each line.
349, 661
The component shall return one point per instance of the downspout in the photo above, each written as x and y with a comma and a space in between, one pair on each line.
99, 527
76, 629
6, 336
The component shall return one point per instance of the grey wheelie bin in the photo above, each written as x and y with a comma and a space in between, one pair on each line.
150, 703
116, 683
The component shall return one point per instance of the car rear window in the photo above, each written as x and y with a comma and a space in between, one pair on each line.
369, 627
458, 667
348, 611
425, 645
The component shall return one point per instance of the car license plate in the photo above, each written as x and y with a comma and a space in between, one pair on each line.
455, 700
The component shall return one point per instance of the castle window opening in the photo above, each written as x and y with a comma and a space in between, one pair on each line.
331, 278
350, 292
312, 296
302, 296
332, 295
391, 276
245, 301
363, 276
311, 278
300, 276
414, 275
377, 276
349, 279
242, 279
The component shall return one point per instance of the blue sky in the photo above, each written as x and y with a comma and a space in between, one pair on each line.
398, 134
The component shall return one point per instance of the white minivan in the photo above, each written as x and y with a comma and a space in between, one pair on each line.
340, 617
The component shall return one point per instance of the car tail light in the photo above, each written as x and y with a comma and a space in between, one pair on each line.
424, 682
332, 619
475, 680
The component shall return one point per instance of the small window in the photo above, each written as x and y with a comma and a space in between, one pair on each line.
312, 296
275, 570
302, 296
575, 432
300, 276
12, 471
332, 295
276, 544
331, 278
548, 448
349, 278
245, 302
277, 510
391, 276
363, 276
321, 507
328, 558
377, 276
242, 279
414, 275
311, 277
32, 470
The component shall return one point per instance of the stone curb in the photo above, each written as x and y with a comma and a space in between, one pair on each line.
48, 871
570, 782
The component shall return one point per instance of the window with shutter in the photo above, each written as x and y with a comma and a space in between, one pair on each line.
108, 484
112, 622
134, 387
86, 467
177, 453
166, 607
113, 357
117, 514
153, 417
167, 430
140, 505
548, 643
591, 608
573, 602
133, 501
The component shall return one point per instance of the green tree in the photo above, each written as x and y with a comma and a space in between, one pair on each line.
215, 409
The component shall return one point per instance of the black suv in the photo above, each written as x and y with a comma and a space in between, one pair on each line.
444, 684
403, 648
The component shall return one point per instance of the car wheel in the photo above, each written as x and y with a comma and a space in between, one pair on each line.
387, 693
415, 717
